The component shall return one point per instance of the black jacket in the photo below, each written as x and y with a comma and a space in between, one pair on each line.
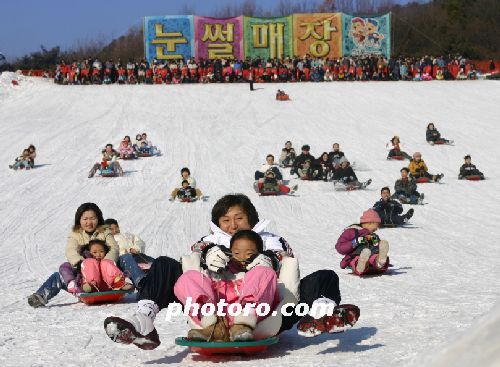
345, 174
388, 211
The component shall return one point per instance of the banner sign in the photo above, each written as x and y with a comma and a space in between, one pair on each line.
366, 36
325, 35
218, 38
169, 37
317, 34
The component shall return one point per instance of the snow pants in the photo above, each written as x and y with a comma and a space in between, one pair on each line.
259, 285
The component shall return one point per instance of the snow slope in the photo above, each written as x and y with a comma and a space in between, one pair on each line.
446, 269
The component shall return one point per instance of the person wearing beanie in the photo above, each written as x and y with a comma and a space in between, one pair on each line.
345, 178
418, 169
390, 210
364, 252
469, 169
406, 189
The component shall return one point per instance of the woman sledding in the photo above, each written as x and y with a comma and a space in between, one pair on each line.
433, 136
231, 213
109, 165
92, 253
395, 149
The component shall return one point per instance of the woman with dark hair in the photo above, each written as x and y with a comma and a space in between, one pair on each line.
230, 214
88, 225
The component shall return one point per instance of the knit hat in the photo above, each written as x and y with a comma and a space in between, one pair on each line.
417, 154
369, 216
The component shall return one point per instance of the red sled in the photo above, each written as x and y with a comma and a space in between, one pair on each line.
396, 158
102, 297
439, 142
422, 180
210, 348
473, 178
282, 97
14, 82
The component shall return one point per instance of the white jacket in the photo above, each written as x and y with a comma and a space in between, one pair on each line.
128, 241
271, 241
266, 167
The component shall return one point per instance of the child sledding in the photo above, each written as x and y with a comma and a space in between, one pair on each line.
433, 136
244, 275
344, 178
287, 156
109, 167
468, 171
271, 185
126, 150
143, 147
395, 149
26, 160
365, 253
405, 189
390, 211
282, 96
187, 191
419, 170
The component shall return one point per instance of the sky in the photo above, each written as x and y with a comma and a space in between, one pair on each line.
59, 23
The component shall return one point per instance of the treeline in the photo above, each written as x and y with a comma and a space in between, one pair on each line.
439, 27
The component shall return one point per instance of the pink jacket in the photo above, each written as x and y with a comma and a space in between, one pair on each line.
347, 243
125, 149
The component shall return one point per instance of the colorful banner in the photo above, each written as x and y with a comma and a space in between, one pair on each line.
218, 38
366, 36
268, 38
317, 34
169, 37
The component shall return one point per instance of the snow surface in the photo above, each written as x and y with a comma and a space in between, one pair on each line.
446, 265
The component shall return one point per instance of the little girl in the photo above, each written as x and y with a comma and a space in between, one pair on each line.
364, 252
97, 273
125, 149
395, 149
237, 282
432, 135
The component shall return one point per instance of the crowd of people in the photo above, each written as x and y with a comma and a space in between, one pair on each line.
289, 69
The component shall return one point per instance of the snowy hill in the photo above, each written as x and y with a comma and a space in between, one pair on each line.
446, 272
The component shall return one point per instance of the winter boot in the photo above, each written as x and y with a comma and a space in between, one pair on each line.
36, 301
383, 250
214, 329
408, 215
364, 256
342, 318
137, 329
240, 332
420, 200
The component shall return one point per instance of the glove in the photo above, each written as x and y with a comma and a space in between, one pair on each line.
260, 260
214, 258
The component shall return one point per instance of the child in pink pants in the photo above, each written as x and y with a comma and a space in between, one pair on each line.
97, 273
364, 252
244, 280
